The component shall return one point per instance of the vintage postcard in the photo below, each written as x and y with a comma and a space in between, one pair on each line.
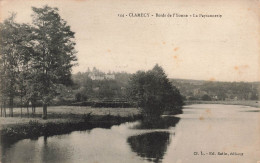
130, 81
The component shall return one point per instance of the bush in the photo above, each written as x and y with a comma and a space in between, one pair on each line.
153, 92
206, 98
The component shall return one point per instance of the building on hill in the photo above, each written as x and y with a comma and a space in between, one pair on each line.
110, 77
95, 76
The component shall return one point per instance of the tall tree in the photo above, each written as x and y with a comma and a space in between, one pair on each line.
153, 92
15, 54
8, 59
54, 53
24, 63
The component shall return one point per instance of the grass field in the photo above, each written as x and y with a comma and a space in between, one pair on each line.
62, 114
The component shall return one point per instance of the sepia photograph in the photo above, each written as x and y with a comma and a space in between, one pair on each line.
130, 81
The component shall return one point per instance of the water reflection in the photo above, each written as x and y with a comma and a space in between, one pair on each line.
150, 140
158, 123
38, 150
51, 152
5, 144
150, 146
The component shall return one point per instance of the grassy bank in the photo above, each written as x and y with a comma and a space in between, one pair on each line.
62, 120
35, 128
62, 114
244, 103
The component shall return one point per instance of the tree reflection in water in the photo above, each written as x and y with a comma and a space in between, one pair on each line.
152, 146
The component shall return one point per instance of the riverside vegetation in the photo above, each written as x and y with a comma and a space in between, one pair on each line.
160, 97
34, 128
35, 70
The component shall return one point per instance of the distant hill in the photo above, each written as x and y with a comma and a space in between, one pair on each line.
191, 81
199, 82
217, 90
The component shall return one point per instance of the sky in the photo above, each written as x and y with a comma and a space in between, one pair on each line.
215, 49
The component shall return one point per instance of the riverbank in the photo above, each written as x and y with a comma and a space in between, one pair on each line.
62, 114
35, 128
62, 120
65, 119
251, 103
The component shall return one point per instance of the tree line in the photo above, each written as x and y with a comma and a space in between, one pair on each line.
213, 90
35, 59
149, 90
85, 88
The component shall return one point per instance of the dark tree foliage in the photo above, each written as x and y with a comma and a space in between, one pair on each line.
206, 98
15, 50
54, 53
153, 92
35, 60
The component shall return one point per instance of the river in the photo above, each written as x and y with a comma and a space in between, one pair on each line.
204, 133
